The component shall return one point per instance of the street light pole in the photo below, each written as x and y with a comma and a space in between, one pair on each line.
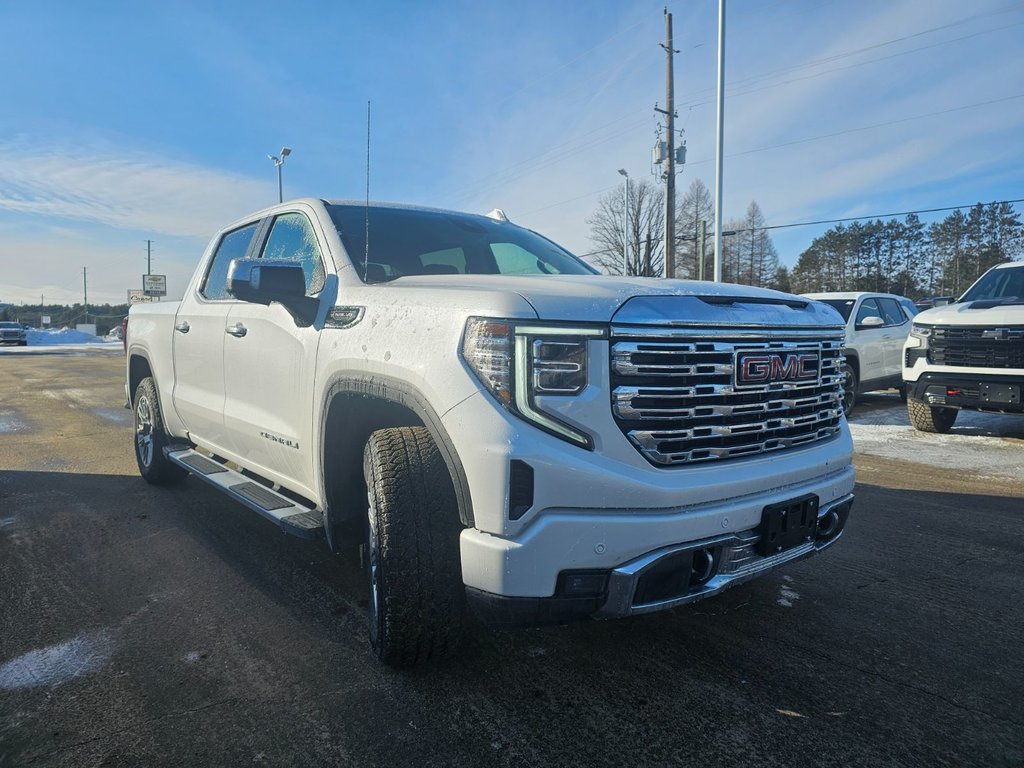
278, 162
625, 223
719, 142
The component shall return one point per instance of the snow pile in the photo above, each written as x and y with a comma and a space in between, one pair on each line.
53, 336
983, 443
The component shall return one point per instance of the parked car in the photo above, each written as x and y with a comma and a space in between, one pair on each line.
968, 356
490, 420
13, 333
877, 324
928, 302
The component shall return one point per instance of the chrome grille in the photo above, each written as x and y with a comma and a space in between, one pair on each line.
675, 396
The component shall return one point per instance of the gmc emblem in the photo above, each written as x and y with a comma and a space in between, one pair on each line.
769, 367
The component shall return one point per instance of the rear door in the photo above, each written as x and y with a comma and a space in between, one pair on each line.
869, 340
897, 326
198, 343
270, 364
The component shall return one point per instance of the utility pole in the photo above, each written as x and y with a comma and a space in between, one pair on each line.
718, 141
670, 168
85, 292
149, 257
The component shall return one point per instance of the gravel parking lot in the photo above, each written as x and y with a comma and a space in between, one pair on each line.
146, 626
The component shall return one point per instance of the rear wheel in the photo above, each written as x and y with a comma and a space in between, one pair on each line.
417, 598
150, 437
930, 418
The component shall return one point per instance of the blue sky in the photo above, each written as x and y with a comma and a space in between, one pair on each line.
128, 121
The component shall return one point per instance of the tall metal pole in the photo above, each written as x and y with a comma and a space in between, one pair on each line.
85, 293
670, 167
700, 245
625, 226
625, 222
149, 257
718, 141
280, 188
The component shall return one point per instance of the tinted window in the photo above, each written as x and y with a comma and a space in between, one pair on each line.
843, 306
1003, 283
909, 307
892, 312
292, 238
869, 308
407, 241
232, 246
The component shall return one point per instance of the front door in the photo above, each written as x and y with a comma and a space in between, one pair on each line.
270, 364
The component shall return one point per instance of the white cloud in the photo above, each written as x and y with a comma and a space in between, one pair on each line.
126, 189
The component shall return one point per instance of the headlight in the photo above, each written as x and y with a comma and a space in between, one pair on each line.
518, 362
922, 332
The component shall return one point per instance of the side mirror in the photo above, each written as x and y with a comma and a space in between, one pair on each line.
262, 281
868, 322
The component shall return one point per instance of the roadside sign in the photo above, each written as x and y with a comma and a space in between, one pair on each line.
154, 285
136, 296
44, 320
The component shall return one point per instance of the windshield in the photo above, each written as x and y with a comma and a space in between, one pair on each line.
416, 242
842, 306
10, 325
998, 284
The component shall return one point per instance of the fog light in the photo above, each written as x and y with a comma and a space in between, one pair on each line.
582, 583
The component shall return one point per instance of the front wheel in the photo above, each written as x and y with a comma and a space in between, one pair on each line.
930, 418
417, 598
849, 389
150, 437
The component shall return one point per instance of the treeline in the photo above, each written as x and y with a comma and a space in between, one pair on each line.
908, 257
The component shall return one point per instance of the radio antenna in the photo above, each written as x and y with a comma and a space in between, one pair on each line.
366, 255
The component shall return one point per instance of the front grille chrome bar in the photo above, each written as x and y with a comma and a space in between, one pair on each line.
675, 396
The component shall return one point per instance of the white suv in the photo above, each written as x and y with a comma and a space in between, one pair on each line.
877, 324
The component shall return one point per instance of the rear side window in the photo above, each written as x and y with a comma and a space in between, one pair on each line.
233, 245
293, 239
892, 312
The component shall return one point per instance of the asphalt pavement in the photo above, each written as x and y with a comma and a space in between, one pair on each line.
170, 626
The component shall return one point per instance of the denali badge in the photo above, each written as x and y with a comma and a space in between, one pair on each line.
754, 368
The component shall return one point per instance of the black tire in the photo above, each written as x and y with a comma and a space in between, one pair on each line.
849, 389
150, 437
930, 418
417, 598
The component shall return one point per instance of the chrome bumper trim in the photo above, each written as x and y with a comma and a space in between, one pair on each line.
738, 564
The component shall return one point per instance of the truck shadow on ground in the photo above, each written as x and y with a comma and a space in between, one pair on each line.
807, 664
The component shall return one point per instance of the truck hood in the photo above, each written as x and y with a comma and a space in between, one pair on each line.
643, 300
973, 313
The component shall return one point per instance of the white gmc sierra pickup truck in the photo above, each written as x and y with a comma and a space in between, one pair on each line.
968, 355
490, 420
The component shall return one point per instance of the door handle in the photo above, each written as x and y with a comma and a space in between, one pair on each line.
182, 327
238, 330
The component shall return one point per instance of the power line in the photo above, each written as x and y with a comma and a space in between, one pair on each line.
830, 221
867, 127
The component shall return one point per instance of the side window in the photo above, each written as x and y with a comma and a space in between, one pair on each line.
869, 308
513, 260
232, 246
449, 262
892, 312
292, 238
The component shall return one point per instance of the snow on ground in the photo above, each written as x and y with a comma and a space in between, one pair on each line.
62, 340
984, 443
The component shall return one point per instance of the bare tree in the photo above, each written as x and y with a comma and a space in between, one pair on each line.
695, 207
646, 254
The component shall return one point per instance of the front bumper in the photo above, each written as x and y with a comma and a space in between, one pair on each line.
685, 572
970, 391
